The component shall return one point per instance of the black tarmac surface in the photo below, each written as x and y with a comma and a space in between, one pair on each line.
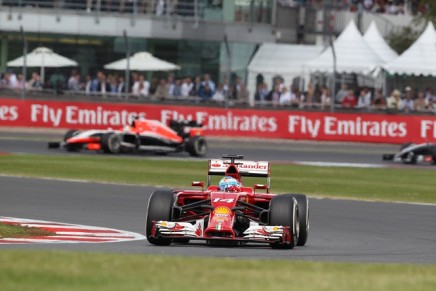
270, 150
340, 230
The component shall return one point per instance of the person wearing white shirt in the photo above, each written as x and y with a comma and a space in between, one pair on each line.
141, 87
364, 101
286, 97
186, 87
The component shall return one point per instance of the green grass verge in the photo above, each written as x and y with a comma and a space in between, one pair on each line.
388, 184
43, 270
14, 231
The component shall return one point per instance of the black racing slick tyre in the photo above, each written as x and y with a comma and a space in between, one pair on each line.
111, 143
160, 207
303, 218
283, 211
196, 146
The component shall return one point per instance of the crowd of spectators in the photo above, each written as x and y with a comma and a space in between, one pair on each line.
362, 98
393, 7
203, 88
114, 85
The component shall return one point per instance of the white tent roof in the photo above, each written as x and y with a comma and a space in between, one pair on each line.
42, 57
353, 54
419, 58
142, 61
378, 43
282, 58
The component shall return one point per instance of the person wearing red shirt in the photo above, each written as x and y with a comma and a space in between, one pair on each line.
349, 100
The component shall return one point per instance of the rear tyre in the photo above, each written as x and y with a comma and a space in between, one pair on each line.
283, 210
160, 207
196, 146
111, 143
303, 218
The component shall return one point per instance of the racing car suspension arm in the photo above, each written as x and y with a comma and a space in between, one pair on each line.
195, 206
260, 212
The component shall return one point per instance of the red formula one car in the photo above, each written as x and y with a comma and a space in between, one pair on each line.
229, 212
141, 135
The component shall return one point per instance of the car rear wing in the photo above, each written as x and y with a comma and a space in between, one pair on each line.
245, 168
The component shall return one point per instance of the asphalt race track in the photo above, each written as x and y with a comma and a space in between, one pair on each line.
283, 151
341, 230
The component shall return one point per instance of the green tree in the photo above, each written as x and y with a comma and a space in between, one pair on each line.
406, 36
402, 39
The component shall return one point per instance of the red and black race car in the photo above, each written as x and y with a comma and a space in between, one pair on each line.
229, 213
141, 135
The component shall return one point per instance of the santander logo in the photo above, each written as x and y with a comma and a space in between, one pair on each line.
216, 165
253, 166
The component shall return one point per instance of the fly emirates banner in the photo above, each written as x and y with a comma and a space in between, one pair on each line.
359, 127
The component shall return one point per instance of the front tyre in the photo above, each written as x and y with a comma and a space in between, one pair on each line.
303, 218
283, 211
196, 146
111, 143
159, 207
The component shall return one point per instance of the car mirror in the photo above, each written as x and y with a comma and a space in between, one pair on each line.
198, 184
260, 186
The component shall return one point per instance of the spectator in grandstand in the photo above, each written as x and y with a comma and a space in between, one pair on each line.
325, 98
171, 83
177, 91
159, 8
341, 93
243, 95
407, 103
153, 86
205, 91
134, 77
219, 95
57, 81
103, 86
113, 83
275, 95
428, 94
364, 100
186, 87
207, 81
394, 101
162, 90
196, 87
310, 94
141, 87
89, 4
73, 83
21, 83
261, 93
88, 84
420, 104
35, 82
285, 97
379, 101
121, 86
349, 100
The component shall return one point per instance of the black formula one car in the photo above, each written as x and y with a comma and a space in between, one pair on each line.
411, 153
